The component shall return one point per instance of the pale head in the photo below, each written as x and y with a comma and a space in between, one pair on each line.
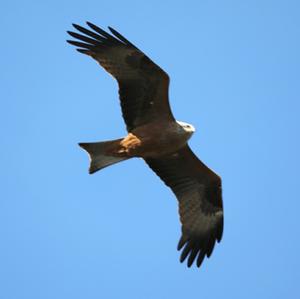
187, 127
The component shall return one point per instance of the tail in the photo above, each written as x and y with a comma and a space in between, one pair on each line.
99, 154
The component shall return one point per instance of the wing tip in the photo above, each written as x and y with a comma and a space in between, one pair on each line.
195, 251
83, 51
76, 26
181, 243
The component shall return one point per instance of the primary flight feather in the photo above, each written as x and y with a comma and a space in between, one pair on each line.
155, 136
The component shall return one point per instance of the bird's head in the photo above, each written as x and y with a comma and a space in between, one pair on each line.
187, 127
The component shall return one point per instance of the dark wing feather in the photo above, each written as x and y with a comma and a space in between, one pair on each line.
143, 86
198, 190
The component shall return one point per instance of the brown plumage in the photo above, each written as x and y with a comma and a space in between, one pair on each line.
155, 136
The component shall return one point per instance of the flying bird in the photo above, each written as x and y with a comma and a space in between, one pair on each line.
155, 136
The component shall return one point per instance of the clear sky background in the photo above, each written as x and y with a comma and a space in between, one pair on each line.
234, 68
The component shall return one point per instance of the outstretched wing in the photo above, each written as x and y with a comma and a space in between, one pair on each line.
198, 190
143, 86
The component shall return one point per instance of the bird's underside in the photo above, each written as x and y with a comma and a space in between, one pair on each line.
155, 136
153, 140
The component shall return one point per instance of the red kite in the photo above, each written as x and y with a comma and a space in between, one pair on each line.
155, 136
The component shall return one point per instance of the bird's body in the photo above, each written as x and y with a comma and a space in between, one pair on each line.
151, 141
155, 136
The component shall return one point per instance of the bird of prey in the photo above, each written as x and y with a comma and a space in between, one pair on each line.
155, 136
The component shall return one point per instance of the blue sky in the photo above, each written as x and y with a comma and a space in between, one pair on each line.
234, 68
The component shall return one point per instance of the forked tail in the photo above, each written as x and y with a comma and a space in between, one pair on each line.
99, 153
